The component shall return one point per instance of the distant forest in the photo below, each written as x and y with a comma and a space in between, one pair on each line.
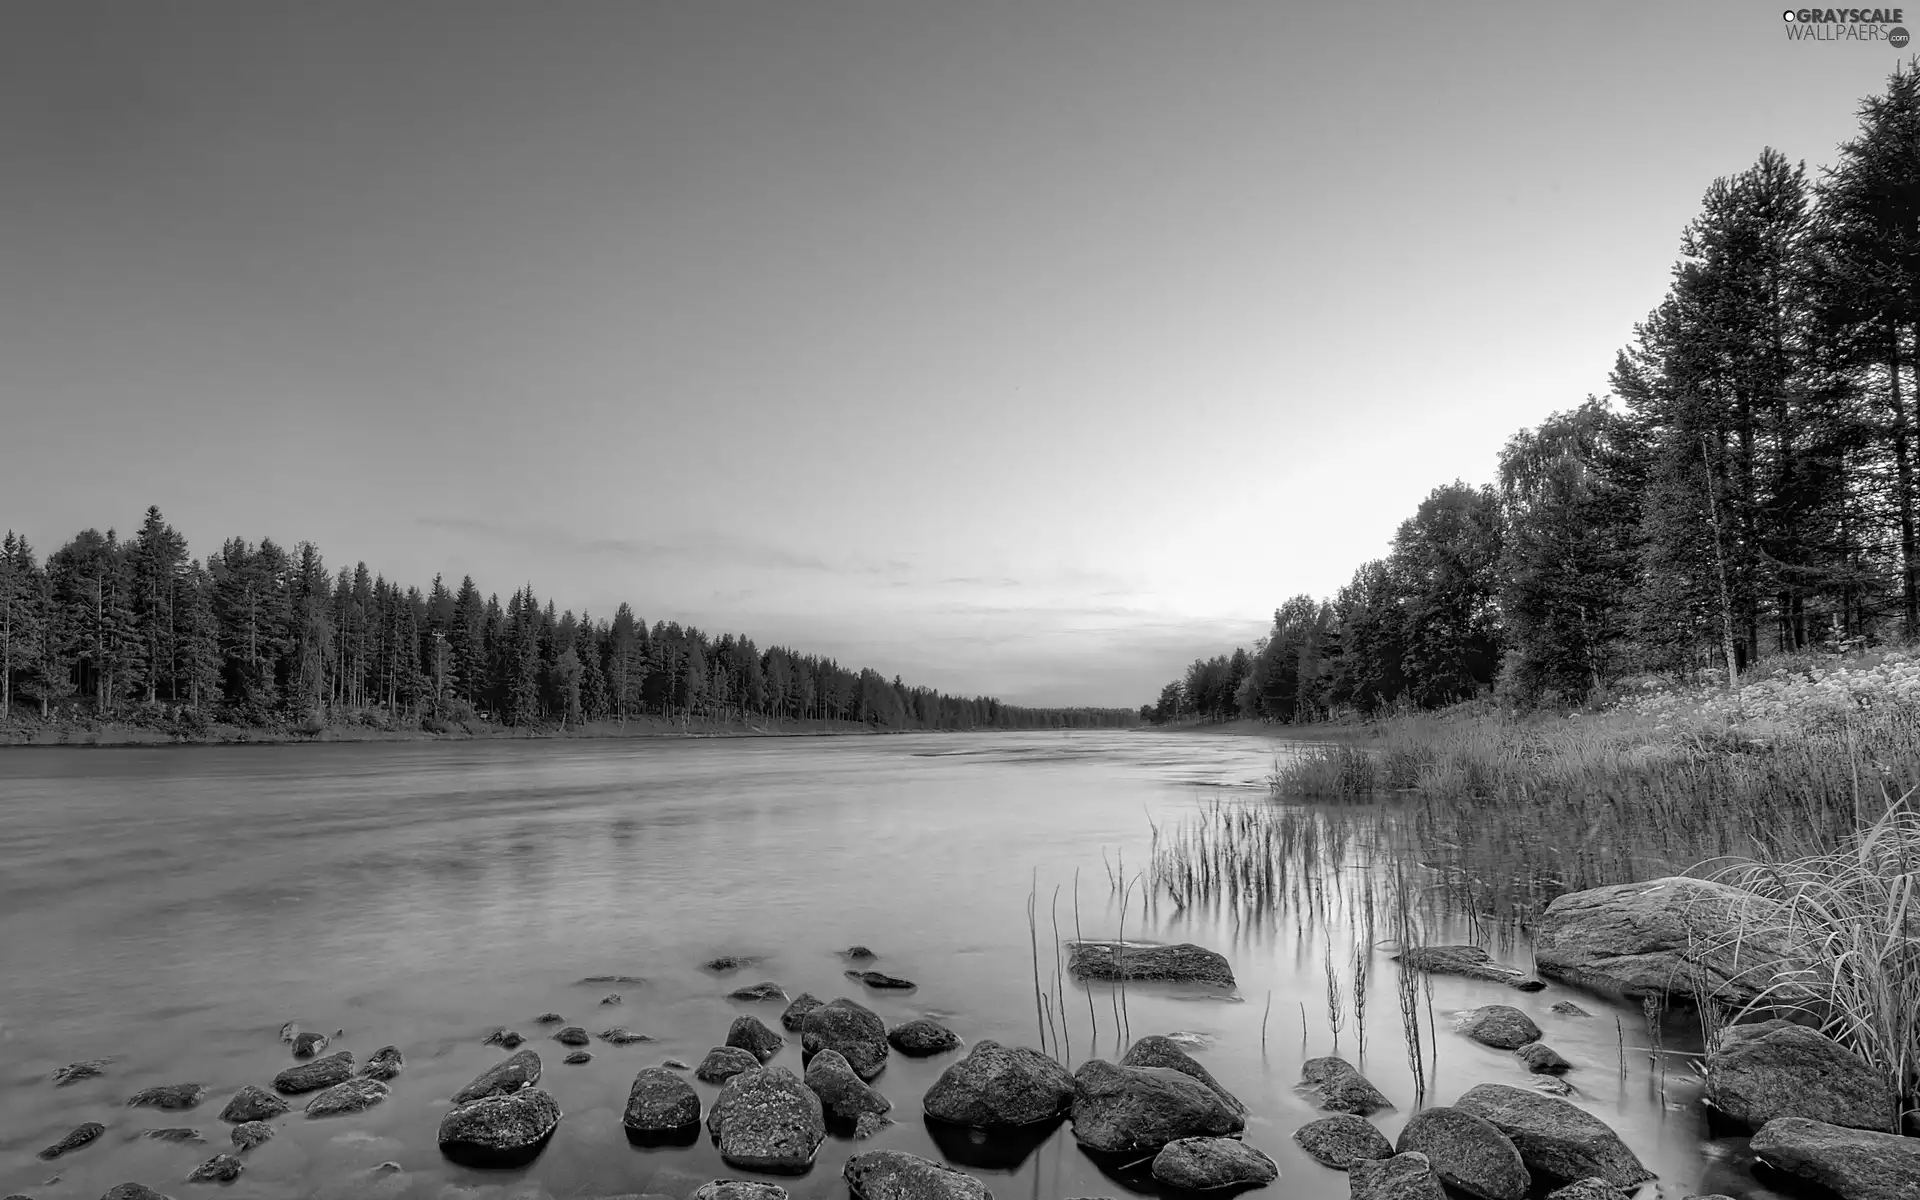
263, 636
1748, 489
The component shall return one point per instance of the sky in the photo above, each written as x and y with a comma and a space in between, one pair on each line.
1030, 348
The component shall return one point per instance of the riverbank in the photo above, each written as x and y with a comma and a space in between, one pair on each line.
159, 730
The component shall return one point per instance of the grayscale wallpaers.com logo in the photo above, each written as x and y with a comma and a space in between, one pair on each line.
1846, 25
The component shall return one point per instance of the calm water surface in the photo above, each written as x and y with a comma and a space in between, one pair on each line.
172, 907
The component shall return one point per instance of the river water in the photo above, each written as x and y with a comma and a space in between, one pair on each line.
170, 908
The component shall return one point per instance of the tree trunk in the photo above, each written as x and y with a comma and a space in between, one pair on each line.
1903, 469
1720, 563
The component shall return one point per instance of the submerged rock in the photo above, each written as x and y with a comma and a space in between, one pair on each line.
177, 1133
766, 1119
881, 980
628, 980
1556, 1140
620, 1035
751, 1034
896, 1175
1184, 963
79, 1136
221, 1168
502, 1036
355, 1095
660, 1102
675, 1064
1141, 1109
723, 1063
1501, 1026
249, 1134
1155, 1050
306, 1045
131, 1191
796, 1013
870, 1125
252, 1103
731, 962
1470, 962
503, 1078
385, 1065
500, 1128
610, 998
1778, 1069
1468, 1153
1568, 1008
857, 954
1000, 1087
551, 1018
853, 1029
1202, 1164
739, 1189
1340, 1087
1403, 1177
312, 1076
578, 1058
756, 992
76, 1071
922, 1038
171, 1096
844, 1097
1858, 1164
1341, 1140
1542, 1059
573, 1035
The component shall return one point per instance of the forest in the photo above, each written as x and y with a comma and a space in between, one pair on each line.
259, 635
1747, 489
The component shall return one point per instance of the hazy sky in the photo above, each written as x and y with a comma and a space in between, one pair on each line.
1031, 348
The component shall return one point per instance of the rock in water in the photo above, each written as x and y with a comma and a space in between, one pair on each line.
171, 1096
1855, 1163
844, 1098
131, 1191
922, 1038
1201, 1164
723, 1063
1341, 1140
758, 991
355, 1095
178, 1134
1501, 1026
385, 1064
1778, 1069
1403, 1177
503, 1037
851, 1028
252, 1103
894, 1175
79, 1136
1654, 938
857, 954
306, 1045
752, 1035
796, 1013
660, 1102
1157, 1051
1590, 1189
312, 1076
879, 979
251, 1133
1555, 1139
578, 1058
572, 1035
1138, 1110
739, 1189
503, 1078
1184, 963
75, 1072
1468, 1153
731, 962
870, 1125
1568, 1008
500, 1129
766, 1119
221, 1168
1000, 1087
1470, 962
620, 1035
1340, 1087
1542, 1059
551, 1018
610, 998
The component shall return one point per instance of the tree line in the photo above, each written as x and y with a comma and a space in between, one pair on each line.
257, 634
1747, 488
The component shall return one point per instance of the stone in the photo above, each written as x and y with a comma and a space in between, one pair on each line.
796, 1013
739, 1189
249, 1134
355, 1095
610, 998
922, 1038
1156, 1050
751, 1034
1469, 962
289, 1031
1341, 1140
551, 1018
1340, 1087
766, 1119
731, 962
131, 1191
577, 1058
881, 980
660, 1102
1568, 1008
723, 1063
573, 1035
252, 1103
221, 1168
857, 954
1137, 1110
756, 992
851, 1028
312, 1076
1542, 1059
76, 1071
844, 1096
897, 1175
1858, 1164
620, 1035
503, 1037
1184, 963
1403, 1177
1000, 1087
503, 1078
500, 1126
870, 1125
171, 1096
1501, 1026
1778, 1069
177, 1133
1467, 1152
306, 1045
629, 980
1204, 1163
1556, 1140
1550, 1085
385, 1065
675, 1063
80, 1135
1663, 937
1588, 1189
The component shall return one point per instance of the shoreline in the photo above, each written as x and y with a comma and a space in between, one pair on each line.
113, 734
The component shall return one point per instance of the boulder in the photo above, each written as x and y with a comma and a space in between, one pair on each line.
1588, 1189
1341, 1140
1184, 963
1204, 1163
730, 962
578, 1058
796, 1013
503, 1078
1155, 1050
883, 981
857, 954
723, 1063
739, 1189
79, 1136
499, 1128
551, 1018
752, 1035
870, 1125
755, 992
851, 1028
573, 1035
1000, 1087
1501, 1026
620, 1035
1542, 1059
76, 1071
312, 1076
355, 1095
131, 1191
1661, 936
1550, 1085
252, 1103
660, 1102
249, 1134
896, 1175
676, 1064
385, 1065
1467, 1152
1340, 1087
1556, 1140
1778, 1069
922, 1038
844, 1097
306, 1045
503, 1037
1858, 1164
1140, 1109
1470, 962
766, 1119
221, 1168
1403, 1177
170, 1096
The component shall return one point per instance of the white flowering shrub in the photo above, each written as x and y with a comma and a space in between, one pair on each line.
1805, 695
